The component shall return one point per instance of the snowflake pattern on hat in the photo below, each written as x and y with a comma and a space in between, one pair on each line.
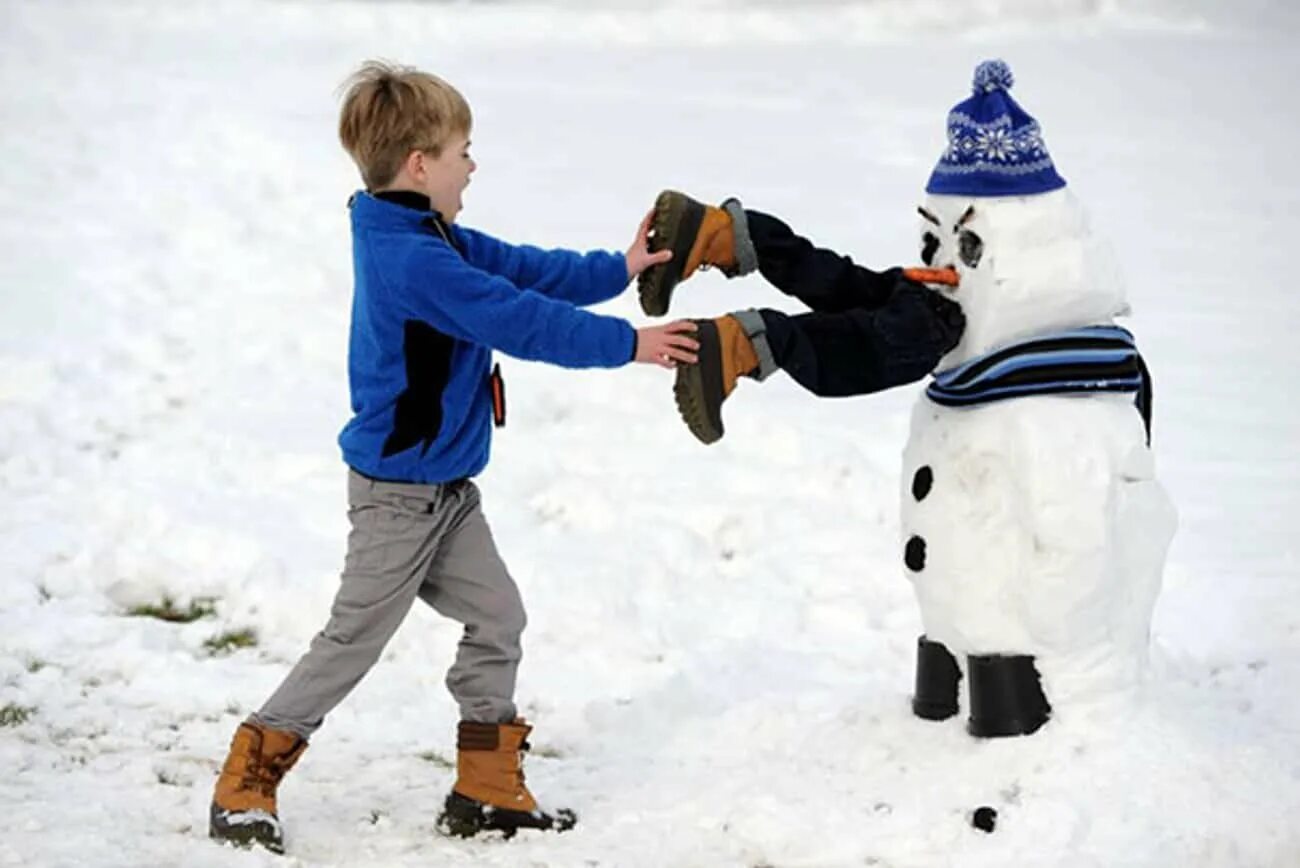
977, 147
994, 147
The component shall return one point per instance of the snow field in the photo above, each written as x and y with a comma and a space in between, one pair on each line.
720, 648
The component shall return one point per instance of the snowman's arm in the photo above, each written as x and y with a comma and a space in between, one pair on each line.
1070, 473
1066, 489
1066, 502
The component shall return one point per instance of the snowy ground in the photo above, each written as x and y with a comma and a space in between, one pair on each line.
720, 650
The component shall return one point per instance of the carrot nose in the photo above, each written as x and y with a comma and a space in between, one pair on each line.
942, 276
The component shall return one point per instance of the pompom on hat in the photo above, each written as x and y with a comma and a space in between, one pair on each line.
994, 147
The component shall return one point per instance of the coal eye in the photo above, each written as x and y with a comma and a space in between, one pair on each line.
929, 246
970, 247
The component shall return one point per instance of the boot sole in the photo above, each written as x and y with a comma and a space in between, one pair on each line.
698, 388
464, 817
676, 223
244, 835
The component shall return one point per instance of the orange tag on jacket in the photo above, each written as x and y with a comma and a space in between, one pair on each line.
498, 396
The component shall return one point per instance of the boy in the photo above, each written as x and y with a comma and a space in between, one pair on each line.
868, 330
431, 302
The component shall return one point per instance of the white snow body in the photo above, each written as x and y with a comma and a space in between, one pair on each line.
1045, 529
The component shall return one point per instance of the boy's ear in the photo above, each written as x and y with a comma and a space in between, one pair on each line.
414, 165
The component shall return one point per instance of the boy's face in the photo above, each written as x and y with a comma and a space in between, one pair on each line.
444, 178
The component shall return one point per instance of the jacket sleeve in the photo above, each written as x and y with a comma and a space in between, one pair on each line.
577, 278
442, 289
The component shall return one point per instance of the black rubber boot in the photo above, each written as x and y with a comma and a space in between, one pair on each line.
1006, 696
465, 817
677, 223
937, 678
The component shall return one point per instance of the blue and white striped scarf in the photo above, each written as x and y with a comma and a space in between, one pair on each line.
1077, 361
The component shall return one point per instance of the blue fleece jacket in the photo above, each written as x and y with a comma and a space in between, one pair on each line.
430, 304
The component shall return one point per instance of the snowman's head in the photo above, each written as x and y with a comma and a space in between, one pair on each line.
999, 213
1028, 265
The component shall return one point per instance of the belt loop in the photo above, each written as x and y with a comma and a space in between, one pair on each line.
445, 491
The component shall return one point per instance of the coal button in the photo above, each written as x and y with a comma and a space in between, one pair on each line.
921, 482
914, 554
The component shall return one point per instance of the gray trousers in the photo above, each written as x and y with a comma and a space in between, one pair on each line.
408, 541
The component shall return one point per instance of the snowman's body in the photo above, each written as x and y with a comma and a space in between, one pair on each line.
1033, 526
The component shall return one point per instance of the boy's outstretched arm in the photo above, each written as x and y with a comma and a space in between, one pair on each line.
566, 275
445, 291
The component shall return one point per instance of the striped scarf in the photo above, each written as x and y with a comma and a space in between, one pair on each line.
1077, 361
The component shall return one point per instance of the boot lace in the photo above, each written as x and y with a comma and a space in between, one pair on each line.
263, 775
257, 779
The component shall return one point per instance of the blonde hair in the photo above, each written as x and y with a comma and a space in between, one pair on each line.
390, 110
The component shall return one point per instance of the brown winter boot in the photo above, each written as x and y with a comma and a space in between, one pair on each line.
726, 354
699, 235
490, 794
243, 805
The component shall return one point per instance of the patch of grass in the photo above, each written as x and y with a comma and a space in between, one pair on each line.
432, 756
231, 640
547, 752
166, 609
34, 665
15, 715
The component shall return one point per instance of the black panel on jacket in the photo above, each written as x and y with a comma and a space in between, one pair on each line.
417, 418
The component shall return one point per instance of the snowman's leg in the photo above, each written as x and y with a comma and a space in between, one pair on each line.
859, 351
828, 354
937, 677
822, 279
1006, 695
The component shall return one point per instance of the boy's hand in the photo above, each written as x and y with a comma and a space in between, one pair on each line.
667, 345
638, 256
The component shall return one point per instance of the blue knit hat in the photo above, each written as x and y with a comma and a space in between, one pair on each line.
994, 147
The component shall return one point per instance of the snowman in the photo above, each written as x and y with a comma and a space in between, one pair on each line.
1034, 530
